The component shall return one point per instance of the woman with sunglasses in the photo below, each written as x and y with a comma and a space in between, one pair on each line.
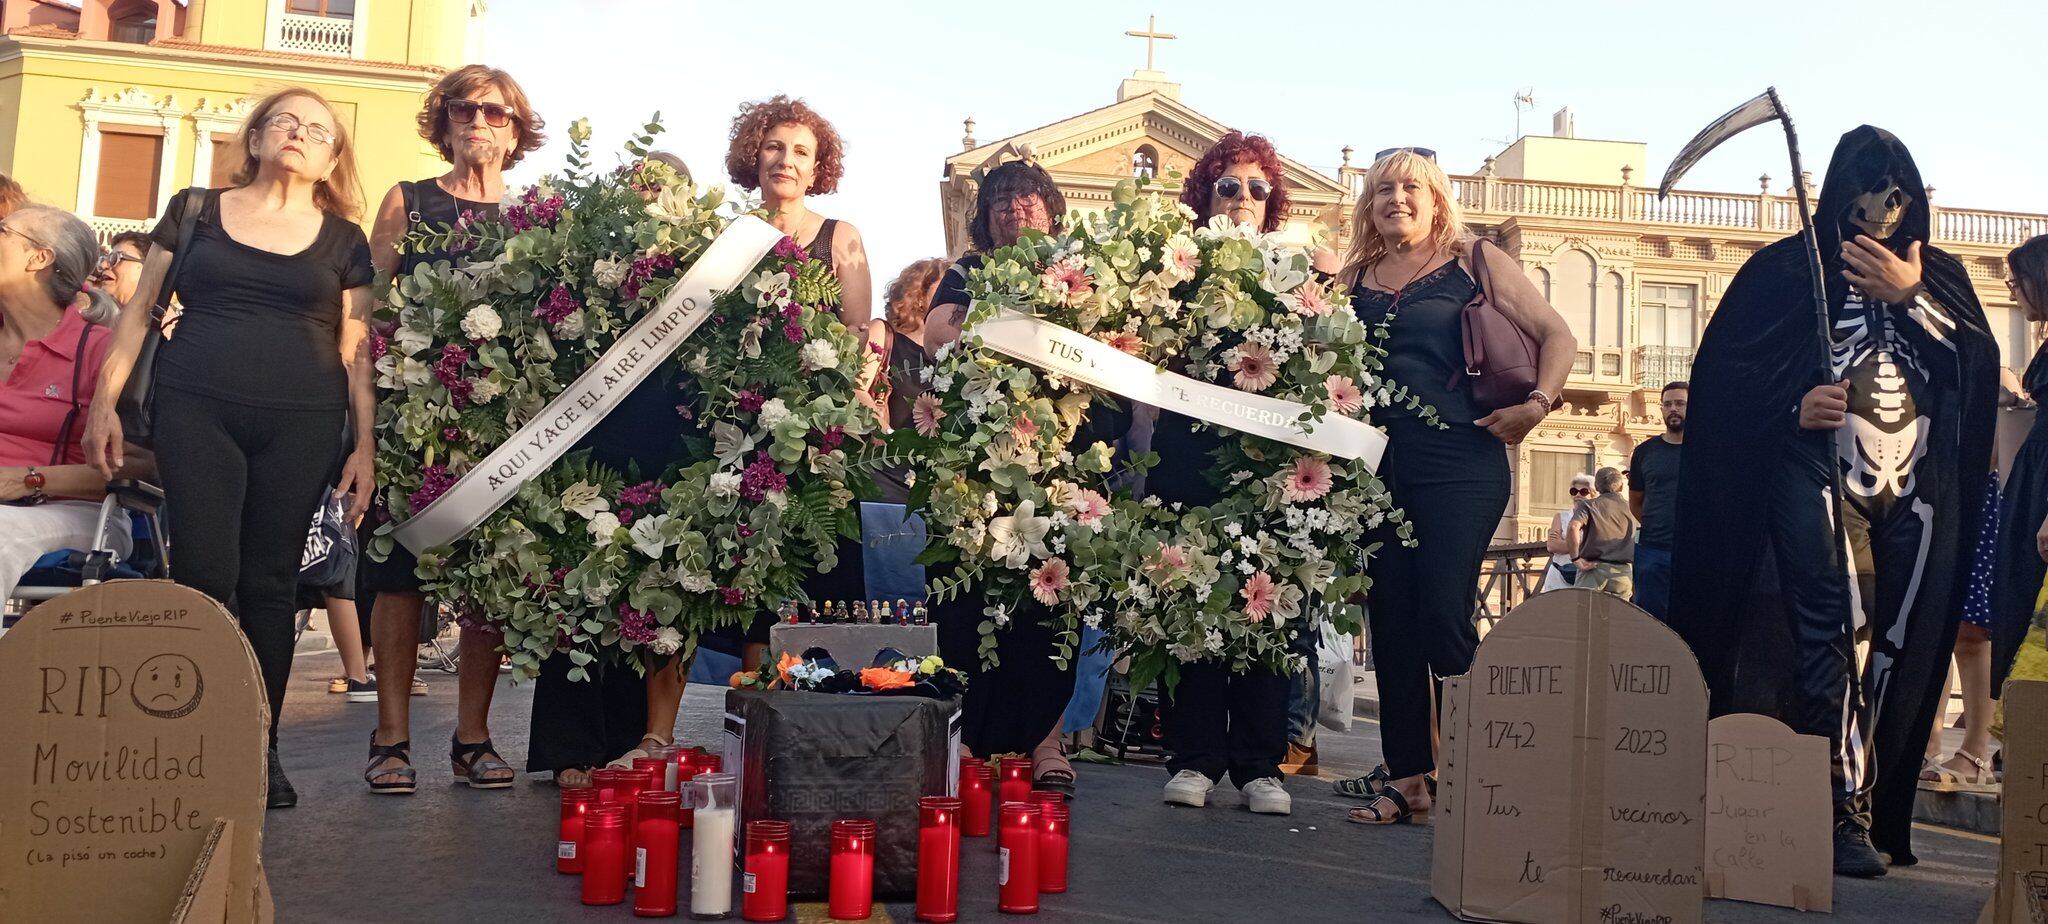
1219, 721
50, 358
479, 119
254, 399
1564, 569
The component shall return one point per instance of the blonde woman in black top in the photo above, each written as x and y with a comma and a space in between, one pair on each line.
268, 380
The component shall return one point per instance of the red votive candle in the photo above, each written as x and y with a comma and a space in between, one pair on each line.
1014, 780
852, 895
765, 895
604, 856
631, 784
1017, 859
656, 770
1047, 797
975, 806
1052, 847
569, 842
709, 763
655, 844
608, 781
665, 755
938, 859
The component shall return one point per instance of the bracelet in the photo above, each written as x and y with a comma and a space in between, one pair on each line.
1536, 394
34, 481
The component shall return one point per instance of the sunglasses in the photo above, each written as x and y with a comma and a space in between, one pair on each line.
1231, 187
1578, 491
464, 111
1419, 152
114, 258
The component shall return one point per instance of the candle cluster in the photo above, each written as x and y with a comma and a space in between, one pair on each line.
625, 830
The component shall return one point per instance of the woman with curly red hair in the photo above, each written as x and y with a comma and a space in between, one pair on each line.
786, 150
1218, 721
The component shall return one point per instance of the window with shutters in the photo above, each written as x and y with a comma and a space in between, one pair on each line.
1550, 478
130, 166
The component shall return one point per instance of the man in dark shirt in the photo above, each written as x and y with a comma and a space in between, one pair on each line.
1606, 534
1653, 498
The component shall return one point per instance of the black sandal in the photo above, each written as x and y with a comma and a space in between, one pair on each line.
472, 766
401, 752
1367, 787
1402, 815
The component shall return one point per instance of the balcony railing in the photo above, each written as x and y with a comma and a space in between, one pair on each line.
1485, 195
106, 228
320, 35
1656, 365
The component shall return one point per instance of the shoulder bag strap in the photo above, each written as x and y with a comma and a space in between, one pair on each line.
71, 416
410, 195
195, 202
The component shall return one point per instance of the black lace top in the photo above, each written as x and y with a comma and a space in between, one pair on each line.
1425, 344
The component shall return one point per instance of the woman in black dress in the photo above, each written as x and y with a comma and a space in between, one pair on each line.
1016, 707
479, 119
2023, 511
268, 381
1409, 268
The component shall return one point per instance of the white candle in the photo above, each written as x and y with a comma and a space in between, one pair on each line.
711, 862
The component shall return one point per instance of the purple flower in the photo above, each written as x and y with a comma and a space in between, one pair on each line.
644, 269
746, 532
750, 401
448, 369
635, 626
378, 344
733, 596
434, 482
451, 434
559, 304
683, 411
830, 438
760, 478
641, 494
625, 517
792, 331
789, 249
532, 211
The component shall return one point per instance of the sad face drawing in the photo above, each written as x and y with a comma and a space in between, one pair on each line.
167, 686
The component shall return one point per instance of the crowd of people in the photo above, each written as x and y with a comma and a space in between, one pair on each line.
276, 265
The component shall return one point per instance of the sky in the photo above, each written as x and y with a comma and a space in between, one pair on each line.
1960, 82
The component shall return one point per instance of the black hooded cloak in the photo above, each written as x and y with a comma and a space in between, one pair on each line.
1760, 354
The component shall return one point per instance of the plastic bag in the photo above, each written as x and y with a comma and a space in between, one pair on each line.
1333, 659
330, 554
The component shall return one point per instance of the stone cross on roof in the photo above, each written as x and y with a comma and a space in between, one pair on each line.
1150, 35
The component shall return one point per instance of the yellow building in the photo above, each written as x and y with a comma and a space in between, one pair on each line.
109, 107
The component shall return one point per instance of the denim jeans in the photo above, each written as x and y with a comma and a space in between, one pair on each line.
1091, 677
1653, 580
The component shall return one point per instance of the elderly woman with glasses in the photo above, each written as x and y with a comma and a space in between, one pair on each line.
480, 121
256, 399
50, 357
1558, 542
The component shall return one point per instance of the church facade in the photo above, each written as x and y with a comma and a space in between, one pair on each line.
1636, 277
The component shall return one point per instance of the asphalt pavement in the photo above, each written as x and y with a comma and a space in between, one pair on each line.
451, 854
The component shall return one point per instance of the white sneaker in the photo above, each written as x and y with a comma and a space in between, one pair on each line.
1267, 797
1189, 787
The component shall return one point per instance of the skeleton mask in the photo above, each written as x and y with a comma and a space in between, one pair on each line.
1879, 212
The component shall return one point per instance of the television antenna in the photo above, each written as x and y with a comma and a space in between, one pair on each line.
1525, 101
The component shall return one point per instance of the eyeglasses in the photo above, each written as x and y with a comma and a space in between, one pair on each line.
114, 258
1418, 152
1578, 491
1023, 202
24, 235
1231, 187
464, 111
288, 123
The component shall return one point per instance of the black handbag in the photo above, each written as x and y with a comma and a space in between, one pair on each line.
329, 558
134, 405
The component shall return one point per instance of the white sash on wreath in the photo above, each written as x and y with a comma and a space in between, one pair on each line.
1090, 361
631, 359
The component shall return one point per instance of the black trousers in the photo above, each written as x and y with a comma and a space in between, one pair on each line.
1009, 708
1453, 486
240, 487
584, 723
1218, 721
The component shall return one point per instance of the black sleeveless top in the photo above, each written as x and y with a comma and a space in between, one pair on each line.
428, 207
820, 247
1425, 340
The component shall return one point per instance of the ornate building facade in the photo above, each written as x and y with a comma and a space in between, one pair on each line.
1637, 277
112, 106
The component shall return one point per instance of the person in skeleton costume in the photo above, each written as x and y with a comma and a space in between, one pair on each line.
1903, 424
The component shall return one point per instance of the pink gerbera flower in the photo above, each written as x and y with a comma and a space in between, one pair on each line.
1258, 596
1309, 300
926, 413
1172, 559
1124, 340
1069, 280
1345, 398
1308, 480
1024, 429
1048, 581
1254, 367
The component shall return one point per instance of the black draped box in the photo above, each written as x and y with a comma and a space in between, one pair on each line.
812, 758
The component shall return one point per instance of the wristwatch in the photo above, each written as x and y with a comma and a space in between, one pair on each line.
34, 482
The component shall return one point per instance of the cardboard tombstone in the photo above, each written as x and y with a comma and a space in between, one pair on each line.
1573, 782
2022, 893
1769, 814
132, 760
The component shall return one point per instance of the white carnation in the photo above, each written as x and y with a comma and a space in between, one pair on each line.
483, 390
723, 484
819, 355
603, 526
773, 412
571, 325
482, 323
667, 641
610, 273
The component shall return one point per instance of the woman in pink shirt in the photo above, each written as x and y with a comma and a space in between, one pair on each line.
49, 362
